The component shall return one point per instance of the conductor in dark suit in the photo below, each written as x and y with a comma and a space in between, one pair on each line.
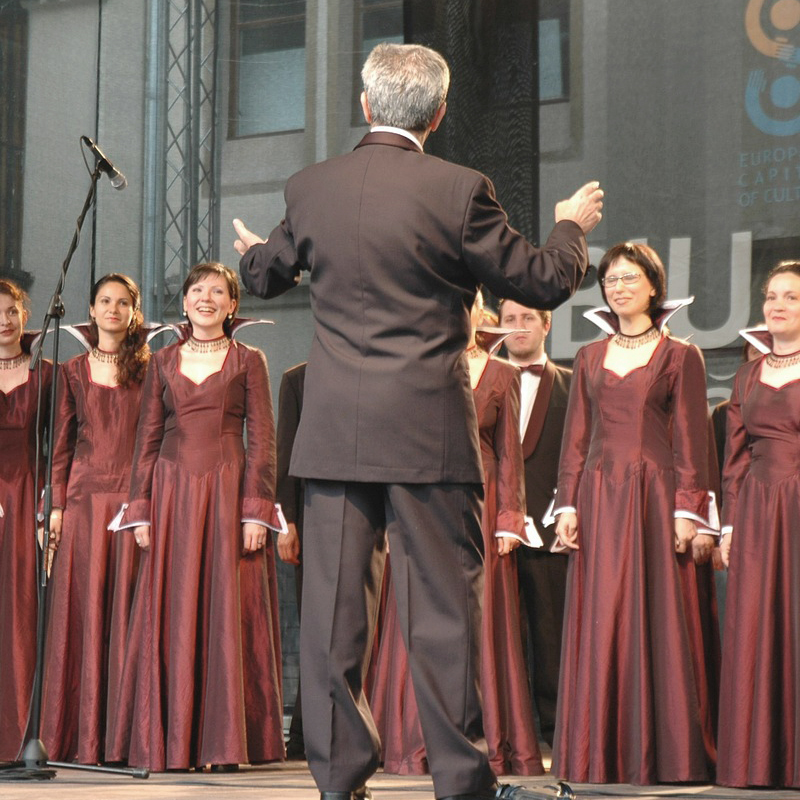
396, 243
544, 390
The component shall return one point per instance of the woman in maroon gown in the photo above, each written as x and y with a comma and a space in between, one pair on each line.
759, 722
18, 596
507, 708
633, 703
202, 680
94, 572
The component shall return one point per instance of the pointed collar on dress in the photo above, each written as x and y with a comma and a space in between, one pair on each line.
391, 139
608, 322
182, 330
759, 337
81, 332
492, 338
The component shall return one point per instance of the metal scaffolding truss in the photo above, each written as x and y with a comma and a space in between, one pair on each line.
181, 199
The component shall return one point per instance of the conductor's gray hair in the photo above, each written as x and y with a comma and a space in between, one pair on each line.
405, 84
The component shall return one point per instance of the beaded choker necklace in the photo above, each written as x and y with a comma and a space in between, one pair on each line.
779, 362
104, 356
208, 345
632, 342
13, 362
475, 351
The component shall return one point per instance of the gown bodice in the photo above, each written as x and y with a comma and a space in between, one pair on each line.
18, 424
653, 419
772, 419
95, 429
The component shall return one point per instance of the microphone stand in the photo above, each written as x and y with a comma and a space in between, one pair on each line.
35, 759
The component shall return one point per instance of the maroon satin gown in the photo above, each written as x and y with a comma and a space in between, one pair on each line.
94, 572
18, 596
759, 722
633, 700
202, 676
507, 708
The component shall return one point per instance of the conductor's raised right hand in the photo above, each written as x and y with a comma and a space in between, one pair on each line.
246, 237
584, 207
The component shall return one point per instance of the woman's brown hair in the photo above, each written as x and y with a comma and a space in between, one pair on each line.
204, 270
134, 352
643, 256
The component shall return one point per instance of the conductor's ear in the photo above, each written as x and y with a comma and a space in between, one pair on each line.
365, 108
438, 116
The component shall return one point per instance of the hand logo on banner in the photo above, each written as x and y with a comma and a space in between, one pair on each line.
784, 91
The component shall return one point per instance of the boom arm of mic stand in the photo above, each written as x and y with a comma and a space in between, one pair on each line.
56, 308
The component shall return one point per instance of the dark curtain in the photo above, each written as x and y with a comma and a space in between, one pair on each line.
492, 120
13, 68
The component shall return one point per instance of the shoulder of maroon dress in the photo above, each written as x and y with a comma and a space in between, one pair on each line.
593, 349
75, 365
504, 365
681, 349
247, 349
249, 353
164, 354
749, 369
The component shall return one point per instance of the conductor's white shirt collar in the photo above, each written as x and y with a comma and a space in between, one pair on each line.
399, 131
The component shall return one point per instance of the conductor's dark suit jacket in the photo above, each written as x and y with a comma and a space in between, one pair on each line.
397, 242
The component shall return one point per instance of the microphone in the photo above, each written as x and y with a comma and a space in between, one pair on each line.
118, 180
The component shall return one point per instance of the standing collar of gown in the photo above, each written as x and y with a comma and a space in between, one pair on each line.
759, 337
608, 322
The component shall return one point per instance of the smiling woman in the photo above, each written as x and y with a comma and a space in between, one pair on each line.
94, 572
759, 708
18, 595
632, 484
202, 677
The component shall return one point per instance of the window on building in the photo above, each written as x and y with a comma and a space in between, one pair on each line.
382, 21
268, 91
376, 21
553, 51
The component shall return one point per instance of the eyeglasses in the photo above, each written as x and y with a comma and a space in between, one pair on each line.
629, 278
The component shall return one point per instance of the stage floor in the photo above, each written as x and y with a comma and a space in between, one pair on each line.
292, 781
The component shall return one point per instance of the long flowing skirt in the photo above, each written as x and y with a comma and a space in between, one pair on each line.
202, 676
633, 704
759, 722
18, 611
89, 602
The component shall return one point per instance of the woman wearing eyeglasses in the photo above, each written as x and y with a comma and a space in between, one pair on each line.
633, 704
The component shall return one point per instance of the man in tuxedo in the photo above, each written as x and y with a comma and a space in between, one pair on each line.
396, 243
542, 574
289, 493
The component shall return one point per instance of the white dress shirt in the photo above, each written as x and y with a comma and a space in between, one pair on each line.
529, 386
